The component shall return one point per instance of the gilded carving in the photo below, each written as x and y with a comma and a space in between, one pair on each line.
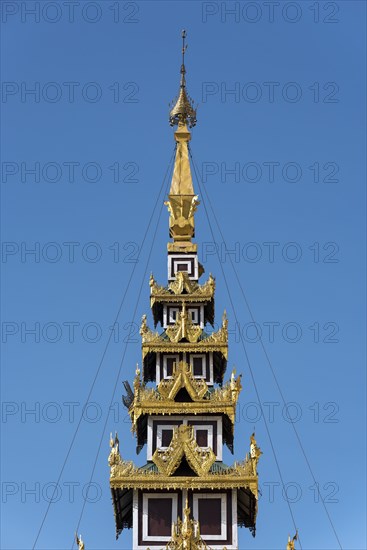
255, 452
186, 534
147, 335
153, 342
128, 476
161, 400
240, 475
182, 201
184, 328
182, 282
184, 444
183, 378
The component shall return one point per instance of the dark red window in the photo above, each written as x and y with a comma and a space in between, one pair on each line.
182, 267
166, 437
170, 362
202, 438
194, 315
159, 517
210, 516
197, 366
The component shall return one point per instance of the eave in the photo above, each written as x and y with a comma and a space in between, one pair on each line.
200, 408
204, 345
157, 481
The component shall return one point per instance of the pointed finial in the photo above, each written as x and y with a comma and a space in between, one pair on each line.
186, 517
184, 46
255, 451
225, 320
183, 111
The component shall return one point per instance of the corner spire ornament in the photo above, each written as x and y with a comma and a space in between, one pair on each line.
79, 541
290, 545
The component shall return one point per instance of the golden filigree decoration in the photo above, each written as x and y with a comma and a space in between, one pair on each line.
161, 400
124, 474
114, 458
193, 290
229, 392
147, 335
221, 335
155, 288
183, 444
186, 534
182, 282
202, 346
154, 342
184, 328
182, 289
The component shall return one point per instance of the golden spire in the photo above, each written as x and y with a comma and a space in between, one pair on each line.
182, 201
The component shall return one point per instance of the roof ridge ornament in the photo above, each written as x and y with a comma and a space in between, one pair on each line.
185, 534
184, 328
184, 444
183, 377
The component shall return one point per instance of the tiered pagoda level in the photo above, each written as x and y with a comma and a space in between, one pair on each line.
185, 496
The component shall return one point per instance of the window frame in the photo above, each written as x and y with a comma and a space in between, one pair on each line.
196, 311
209, 430
197, 356
160, 429
192, 420
218, 496
145, 522
165, 357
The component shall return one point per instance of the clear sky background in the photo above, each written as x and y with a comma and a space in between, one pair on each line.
296, 71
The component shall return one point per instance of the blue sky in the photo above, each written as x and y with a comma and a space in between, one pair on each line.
281, 89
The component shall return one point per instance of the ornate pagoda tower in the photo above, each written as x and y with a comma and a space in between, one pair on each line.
180, 408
